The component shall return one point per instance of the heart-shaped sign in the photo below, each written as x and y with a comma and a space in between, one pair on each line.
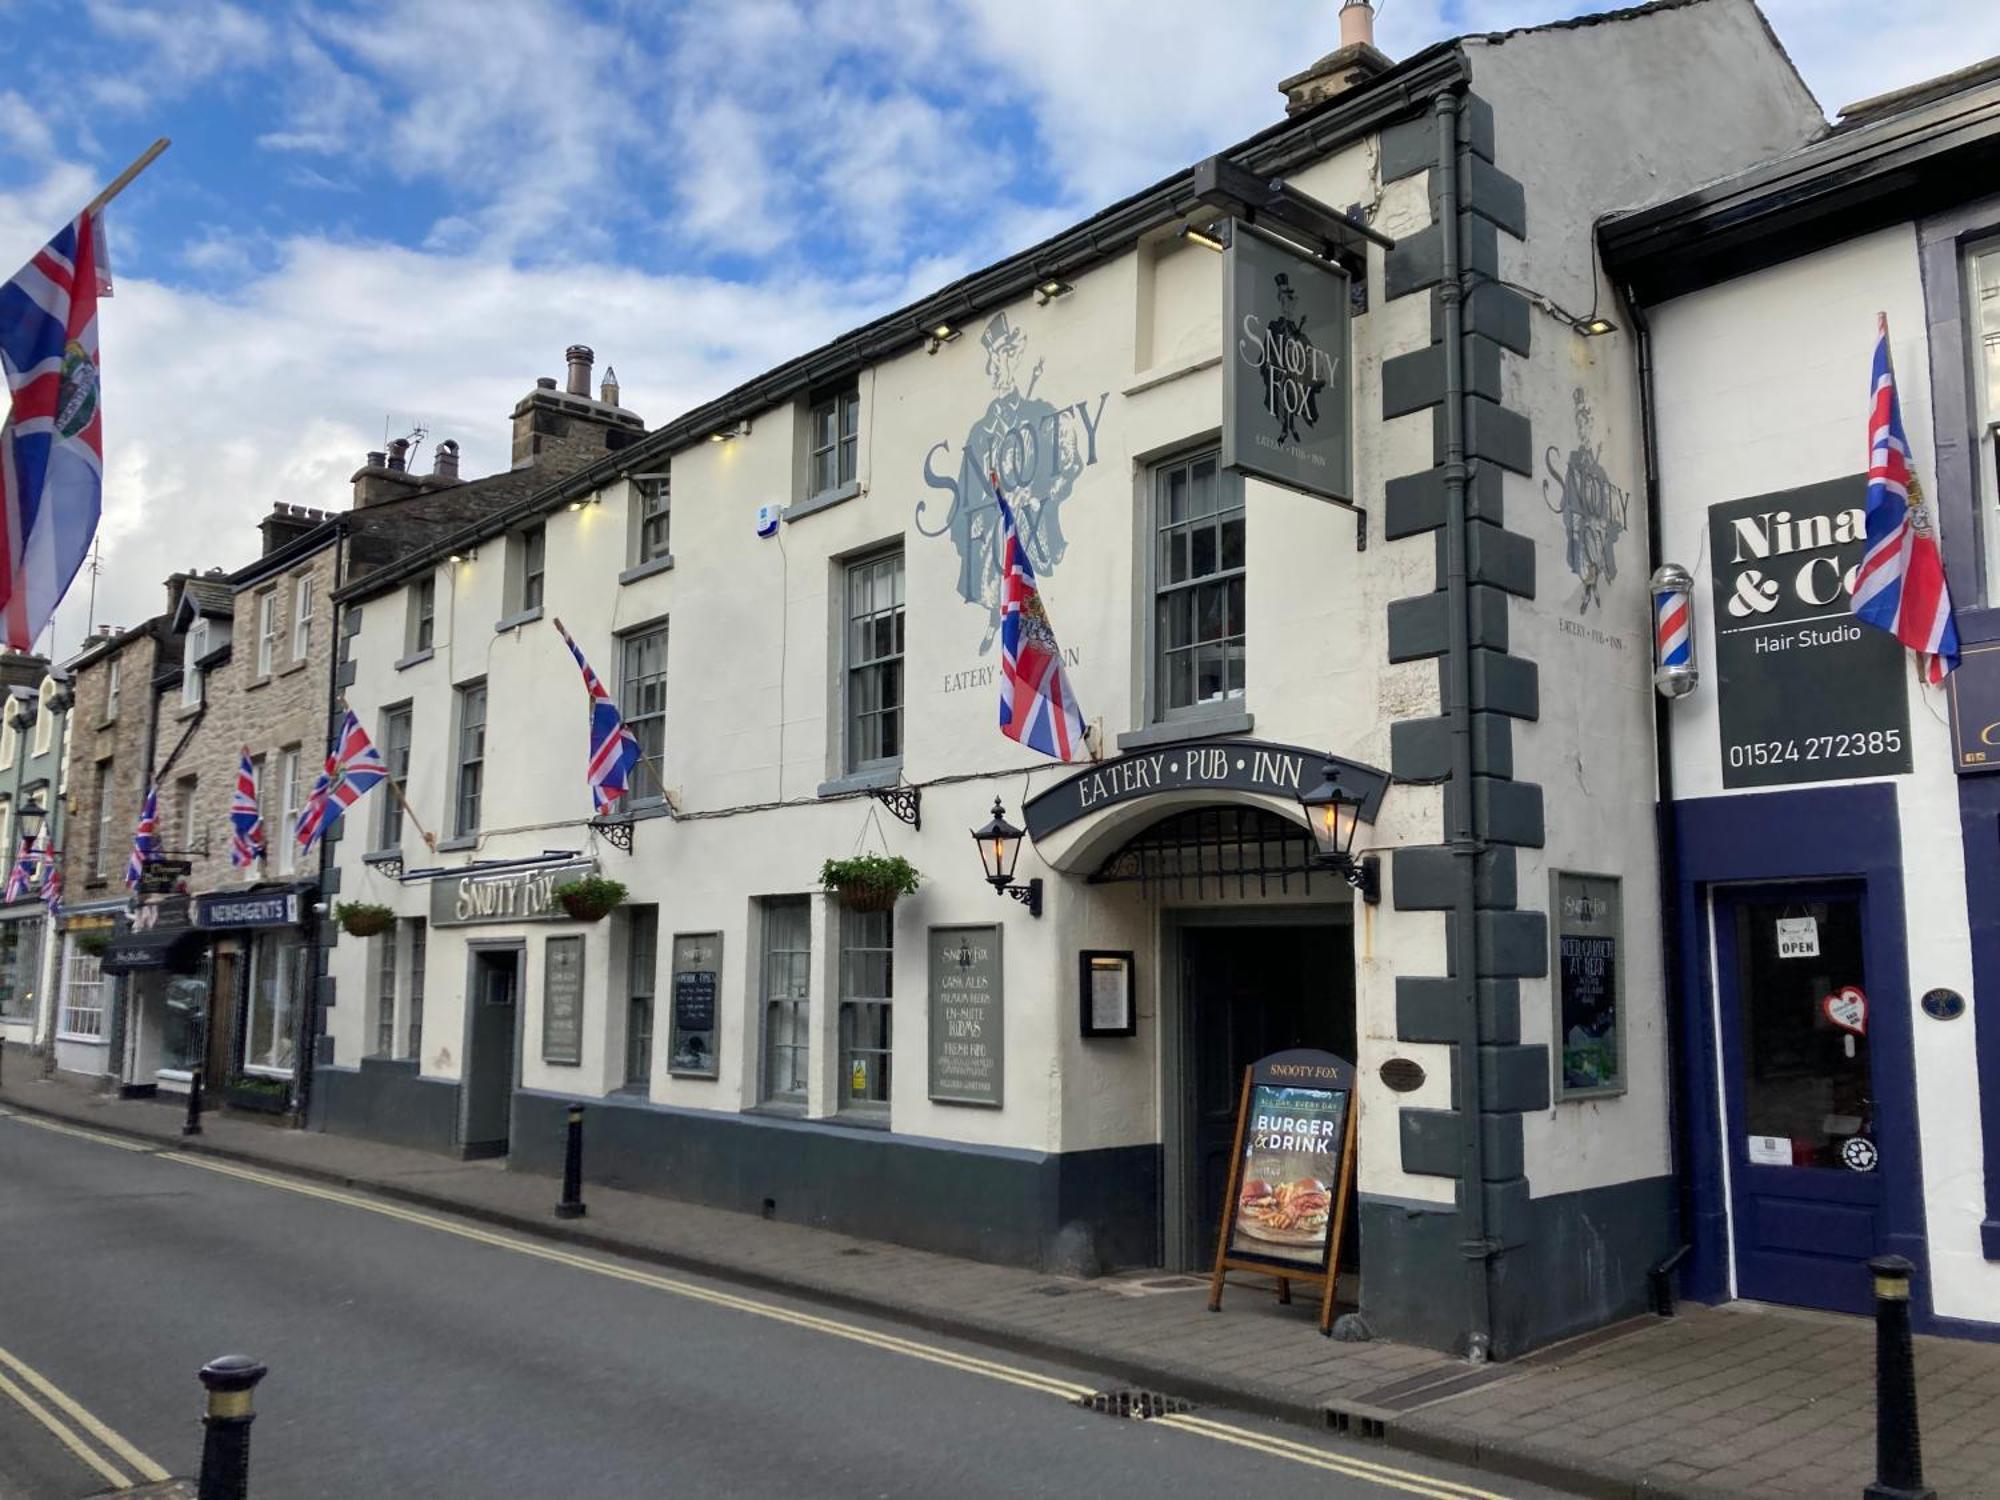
1847, 1008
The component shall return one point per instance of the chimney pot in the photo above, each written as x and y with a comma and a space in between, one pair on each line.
608, 391
579, 357
545, 382
378, 460
444, 461
399, 454
1357, 23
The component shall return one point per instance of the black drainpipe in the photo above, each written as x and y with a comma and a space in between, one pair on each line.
1464, 830
1669, 844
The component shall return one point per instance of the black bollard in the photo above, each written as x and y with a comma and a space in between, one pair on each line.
225, 1442
571, 1206
1899, 1458
192, 1126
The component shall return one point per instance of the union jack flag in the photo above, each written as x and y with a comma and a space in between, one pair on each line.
1900, 586
52, 881
353, 767
614, 749
1037, 706
52, 445
22, 876
246, 823
145, 839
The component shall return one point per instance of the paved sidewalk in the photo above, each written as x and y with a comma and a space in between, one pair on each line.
1736, 1401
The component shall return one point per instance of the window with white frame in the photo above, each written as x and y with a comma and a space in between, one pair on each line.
302, 616
291, 797
10, 735
652, 501
81, 1015
471, 777
642, 963
277, 983
875, 661
834, 434
193, 649
112, 673
385, 993
100, 838
7, 849
45, 718
267, 631
1198, 587
396, 755
423, 615
413, 1007
787, 997
867, 999
642, 695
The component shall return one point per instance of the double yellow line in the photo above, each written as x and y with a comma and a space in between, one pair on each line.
1408, 1481
66, 1433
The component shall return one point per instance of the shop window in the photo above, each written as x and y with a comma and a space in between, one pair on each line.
875, 662
867, 995
471, 775
82, 1013
642, 694
413, 1010
421, 632
291, 798
100, 839
1198, 588
396, 724
642, 964
385, 993
652, 519
277, 982
302, 616
267, 631
787, 998
183, 1019
833, 443
20, 966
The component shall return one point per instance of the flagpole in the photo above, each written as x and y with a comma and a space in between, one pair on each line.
124, 179
429, 838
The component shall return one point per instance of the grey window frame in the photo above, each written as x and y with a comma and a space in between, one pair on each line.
649, 780
865, 936
385, 992
466, 805
889, 666
100, 844
413, 1008
642, 982
842, 450
390, 829
647, 545
1160, 587
534, 567
1982, 401
423, 615
794, 1002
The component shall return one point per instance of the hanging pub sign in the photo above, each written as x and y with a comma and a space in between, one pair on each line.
163, 877
1290, 1176
697, 977
1284, 369
1805, 691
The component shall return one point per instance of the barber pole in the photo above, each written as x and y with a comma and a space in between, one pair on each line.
1674, 671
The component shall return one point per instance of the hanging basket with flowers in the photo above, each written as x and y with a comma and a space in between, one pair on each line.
363, 918
591, 898
869, 882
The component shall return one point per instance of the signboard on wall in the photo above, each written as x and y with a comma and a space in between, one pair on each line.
697, 982
1284, 368
504, 895
967, 1016
1974, 694
1589, 912
562, 1001
1804, 691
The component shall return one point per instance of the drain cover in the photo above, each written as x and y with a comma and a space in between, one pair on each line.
1137, 1405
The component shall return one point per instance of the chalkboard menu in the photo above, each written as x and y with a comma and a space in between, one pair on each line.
967, 1016
562, 1001
697, 979
1588, 924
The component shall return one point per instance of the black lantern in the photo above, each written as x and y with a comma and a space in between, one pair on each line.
999, 846
1334, 815
28, 817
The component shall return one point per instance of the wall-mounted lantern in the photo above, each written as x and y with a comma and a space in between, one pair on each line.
999, 846
1334, 815
1674, 671
28, 818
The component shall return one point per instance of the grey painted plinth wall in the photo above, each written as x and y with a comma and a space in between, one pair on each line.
386, 1101
1076, 1211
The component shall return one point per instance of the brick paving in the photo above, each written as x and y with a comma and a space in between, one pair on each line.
1734, 1401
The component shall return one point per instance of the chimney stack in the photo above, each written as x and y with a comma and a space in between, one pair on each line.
1350, 65
444, 462
580, 358
607, 392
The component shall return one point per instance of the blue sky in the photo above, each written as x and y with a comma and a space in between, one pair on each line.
380, 213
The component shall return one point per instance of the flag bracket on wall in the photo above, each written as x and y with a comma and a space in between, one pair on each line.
617, 833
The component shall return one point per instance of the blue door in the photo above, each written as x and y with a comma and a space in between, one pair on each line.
1807, 1146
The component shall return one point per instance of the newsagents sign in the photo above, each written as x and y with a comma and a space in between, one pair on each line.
1284, 367
263, 909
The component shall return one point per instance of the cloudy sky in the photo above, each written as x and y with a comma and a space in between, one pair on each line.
384, 213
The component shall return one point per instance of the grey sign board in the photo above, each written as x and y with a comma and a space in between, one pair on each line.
967, 1016
529, 895
1804, 691
697, 984
1589, 925
562, 1001
1284, 369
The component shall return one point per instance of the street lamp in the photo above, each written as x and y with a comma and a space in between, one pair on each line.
29, 817
1334, 815
999, 846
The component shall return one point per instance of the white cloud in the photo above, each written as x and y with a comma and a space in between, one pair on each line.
170, 46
